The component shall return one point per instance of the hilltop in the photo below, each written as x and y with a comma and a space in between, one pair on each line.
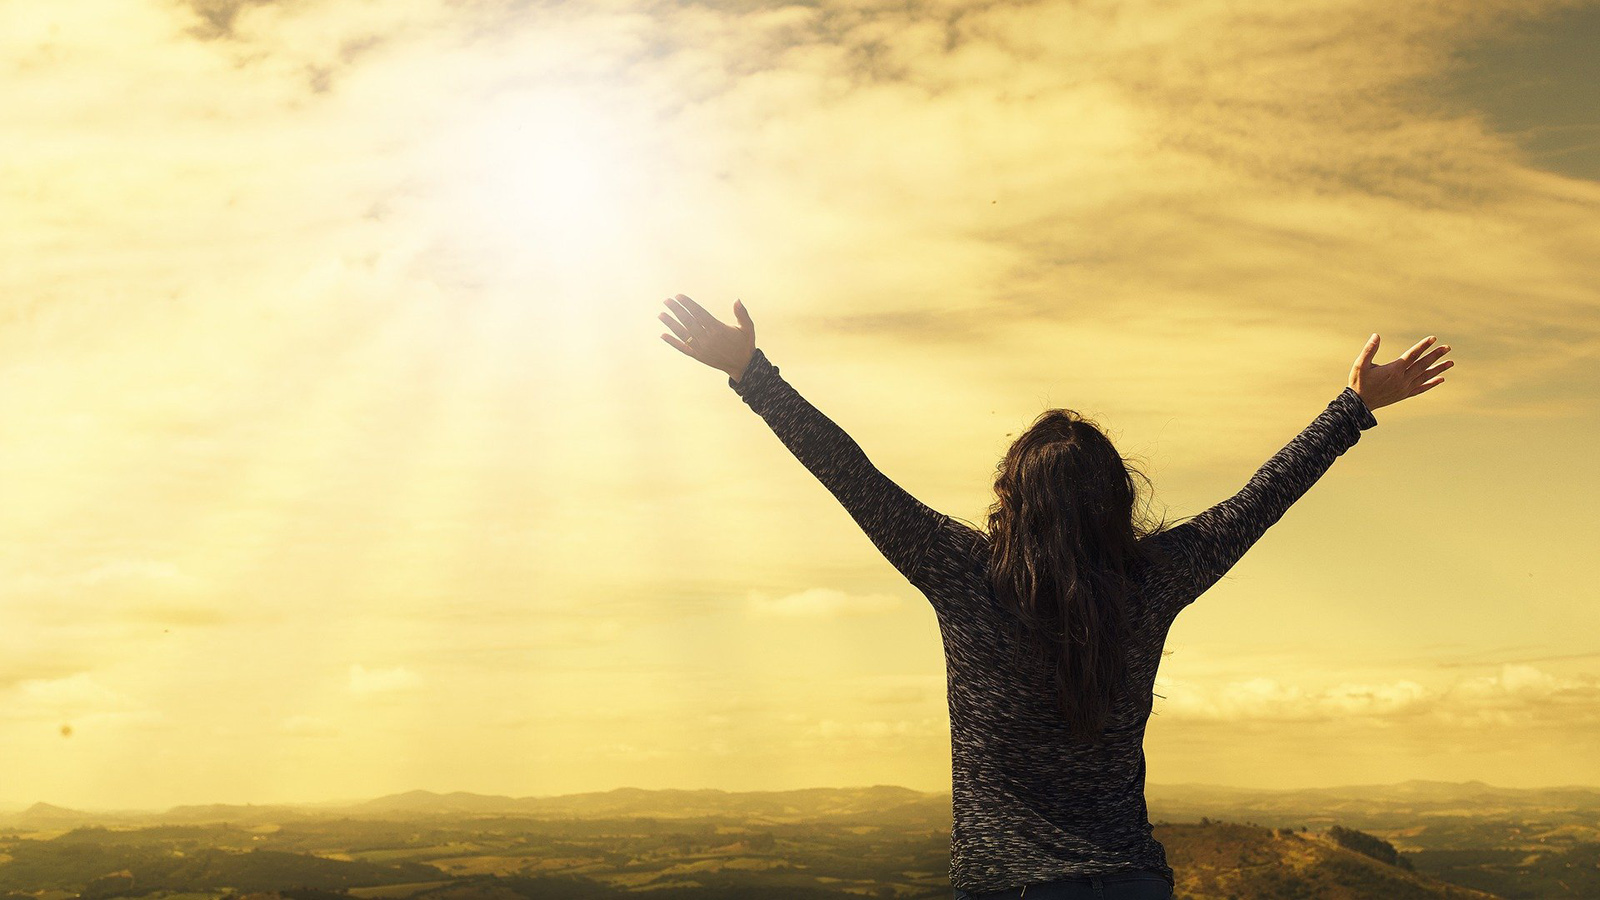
1218, 860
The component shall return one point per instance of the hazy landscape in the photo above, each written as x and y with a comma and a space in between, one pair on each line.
1415, 839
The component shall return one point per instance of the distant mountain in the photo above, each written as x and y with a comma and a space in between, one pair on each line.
247, 814
1224, 859
771, 806
45, 815
1418, 814
430, 802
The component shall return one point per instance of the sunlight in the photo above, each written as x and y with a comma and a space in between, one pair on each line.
546, 180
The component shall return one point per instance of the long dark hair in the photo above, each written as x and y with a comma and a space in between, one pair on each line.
1065, 541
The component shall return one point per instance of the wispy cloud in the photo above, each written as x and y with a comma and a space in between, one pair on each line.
217, 16
365, 681
78, 702
1517, 695
307, 726
136, 590
821, 603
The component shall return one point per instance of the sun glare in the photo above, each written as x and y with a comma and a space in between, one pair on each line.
547, 176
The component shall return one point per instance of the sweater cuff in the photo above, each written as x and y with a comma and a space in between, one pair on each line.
758, 374
1357, 408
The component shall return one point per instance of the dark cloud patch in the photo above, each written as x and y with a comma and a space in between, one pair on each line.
217, 20
15, 672
1540, 86
950, 326
355, 48
217, 16
320, 78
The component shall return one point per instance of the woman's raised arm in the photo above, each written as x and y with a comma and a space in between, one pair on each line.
899, 525
1213, 541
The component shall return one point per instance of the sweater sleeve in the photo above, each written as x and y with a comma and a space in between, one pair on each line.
1210, 543
899, 525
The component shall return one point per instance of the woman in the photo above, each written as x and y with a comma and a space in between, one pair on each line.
1053, 620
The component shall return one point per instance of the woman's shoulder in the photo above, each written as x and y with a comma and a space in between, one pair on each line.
1157, 547
965, 535
960, 550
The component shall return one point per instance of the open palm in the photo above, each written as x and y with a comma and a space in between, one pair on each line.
699, 335
1412, 373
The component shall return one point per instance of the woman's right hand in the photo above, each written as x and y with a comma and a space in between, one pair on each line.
1412, 373
703, 337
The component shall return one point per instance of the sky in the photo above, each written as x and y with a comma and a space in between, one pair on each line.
340, 454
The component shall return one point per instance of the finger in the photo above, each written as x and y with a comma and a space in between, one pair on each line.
679, 311
1410, 356
743, 316
1433, 355
1429, 386
681, 346
690, 321
1435, 370
1367, 351
679, 330
681, 326
699, 311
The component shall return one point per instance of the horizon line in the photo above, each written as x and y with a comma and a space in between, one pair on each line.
17, 807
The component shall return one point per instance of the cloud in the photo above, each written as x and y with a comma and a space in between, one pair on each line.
1142, 153
217, 16
364, 681
79, 701
567, 622
821, 603
75, 693
35, 667
931, 690
869, 735
1517, 694
1267, 698
133, 589
112, 573
631, 751
307, 726
1522, 695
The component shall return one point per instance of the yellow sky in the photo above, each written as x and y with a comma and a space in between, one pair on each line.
339, 454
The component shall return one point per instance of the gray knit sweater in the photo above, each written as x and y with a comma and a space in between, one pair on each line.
1028, 805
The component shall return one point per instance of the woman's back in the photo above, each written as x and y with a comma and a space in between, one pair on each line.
1030, 803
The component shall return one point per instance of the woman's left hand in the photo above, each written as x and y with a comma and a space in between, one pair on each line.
701, 336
